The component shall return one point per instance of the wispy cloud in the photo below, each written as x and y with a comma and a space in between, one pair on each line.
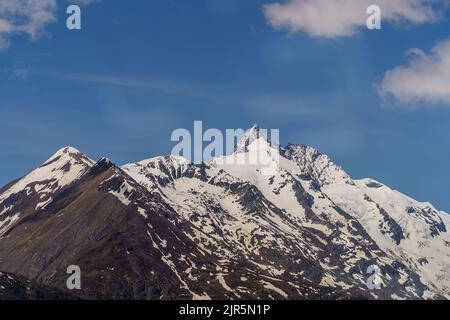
159, 85
17, 71
21, 73
271, 105
343, 18
82, 2
281, 107
424, 79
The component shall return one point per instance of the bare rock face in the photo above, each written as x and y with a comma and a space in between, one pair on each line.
166, 229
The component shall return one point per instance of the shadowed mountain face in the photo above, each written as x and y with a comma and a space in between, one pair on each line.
167, 229
14, 287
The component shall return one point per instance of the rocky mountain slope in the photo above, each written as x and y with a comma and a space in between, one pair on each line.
13, 287
293, 225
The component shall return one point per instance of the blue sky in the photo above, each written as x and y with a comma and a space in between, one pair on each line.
138, 70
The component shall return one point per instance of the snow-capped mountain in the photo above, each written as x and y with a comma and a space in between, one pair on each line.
35, 190
292, 225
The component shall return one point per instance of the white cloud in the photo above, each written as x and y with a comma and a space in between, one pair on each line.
29, 17
342, 18
25, 17
424, 79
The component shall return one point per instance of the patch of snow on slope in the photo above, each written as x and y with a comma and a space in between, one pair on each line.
7, 223
259, 162
124, 193
44, 204
161, 167
270, 286
429, 252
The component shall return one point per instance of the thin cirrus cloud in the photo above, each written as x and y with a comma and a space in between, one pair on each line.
82, 2
343, 18
424, 79
29, 17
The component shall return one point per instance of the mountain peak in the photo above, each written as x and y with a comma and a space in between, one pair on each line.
253, 134
62, 168
255, 126
63, 152
102, 165
68, 150
68, 154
